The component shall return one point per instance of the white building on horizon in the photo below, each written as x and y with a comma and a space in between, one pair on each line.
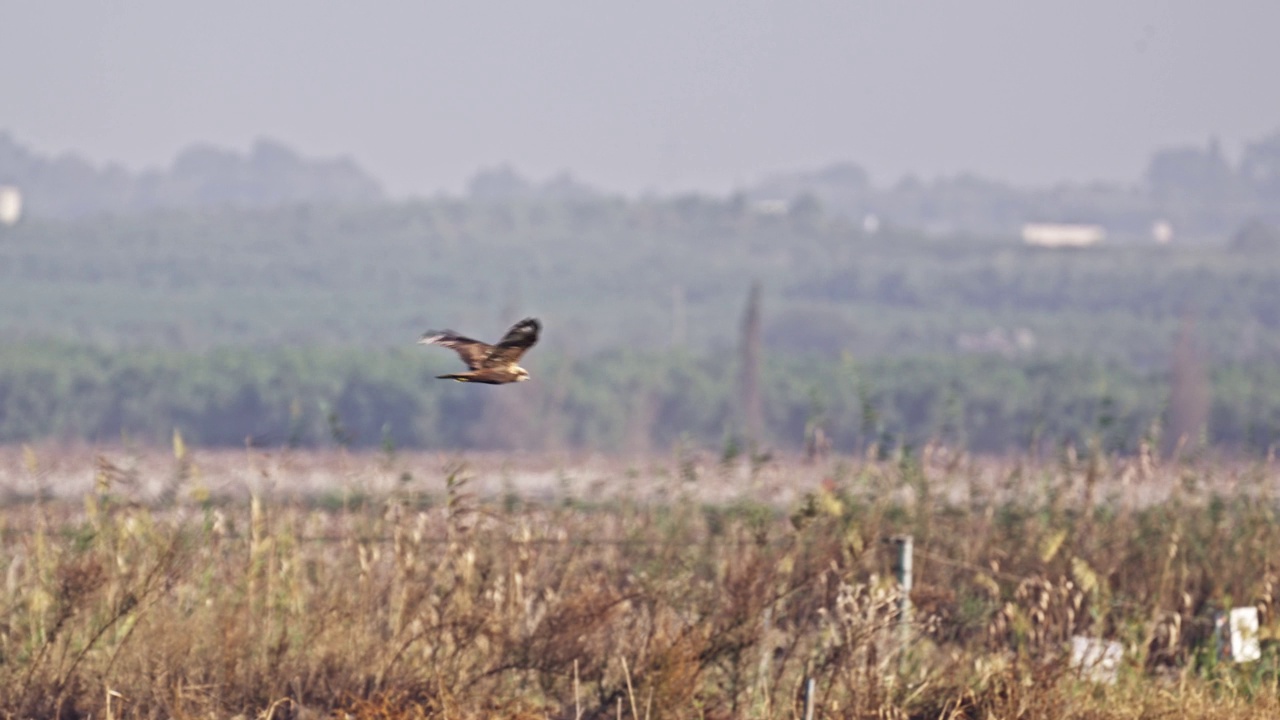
10, 205
1058, 235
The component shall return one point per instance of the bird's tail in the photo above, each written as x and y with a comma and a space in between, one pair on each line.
460, 377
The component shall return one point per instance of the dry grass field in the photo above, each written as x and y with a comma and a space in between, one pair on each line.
201, 584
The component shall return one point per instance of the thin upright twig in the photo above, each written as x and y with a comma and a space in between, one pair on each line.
631, 695
577, 698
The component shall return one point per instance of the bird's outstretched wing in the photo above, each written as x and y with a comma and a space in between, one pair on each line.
472, 352
518, 339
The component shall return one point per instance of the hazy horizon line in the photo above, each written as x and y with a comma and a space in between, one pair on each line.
458, 188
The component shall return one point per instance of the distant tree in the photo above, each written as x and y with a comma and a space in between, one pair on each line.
201, 176
824, 330
749, 370
1260, 167
499, 183
16, 162
846, 176
1190, 172
679, 321
1256, 235
805, 211
507, 421
276, 174
563, 187
1189, 391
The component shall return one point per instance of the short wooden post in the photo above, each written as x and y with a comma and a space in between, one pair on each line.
906, 551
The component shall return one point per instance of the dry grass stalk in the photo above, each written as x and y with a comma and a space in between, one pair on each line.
417, 604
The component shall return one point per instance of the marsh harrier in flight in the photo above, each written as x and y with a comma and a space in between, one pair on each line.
489, 364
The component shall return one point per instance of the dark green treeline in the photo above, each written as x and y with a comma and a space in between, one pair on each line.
606, 402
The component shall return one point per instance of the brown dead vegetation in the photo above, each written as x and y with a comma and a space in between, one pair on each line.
434, 598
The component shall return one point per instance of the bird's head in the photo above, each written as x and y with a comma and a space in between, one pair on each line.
521, 374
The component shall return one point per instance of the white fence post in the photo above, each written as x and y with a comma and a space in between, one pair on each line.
906, 560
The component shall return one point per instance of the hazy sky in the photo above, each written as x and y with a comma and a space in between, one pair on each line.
654, 95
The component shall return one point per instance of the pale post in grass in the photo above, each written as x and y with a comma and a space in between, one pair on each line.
749, 372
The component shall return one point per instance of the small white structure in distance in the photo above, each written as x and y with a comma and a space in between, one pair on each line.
870, 224
770, 207
1162, 232
10, 205
1058, 235
1096, 659
1237, 633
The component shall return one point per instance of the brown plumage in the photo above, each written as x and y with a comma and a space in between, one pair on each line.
489, 364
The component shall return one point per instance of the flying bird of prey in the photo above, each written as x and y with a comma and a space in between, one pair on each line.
489, 364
